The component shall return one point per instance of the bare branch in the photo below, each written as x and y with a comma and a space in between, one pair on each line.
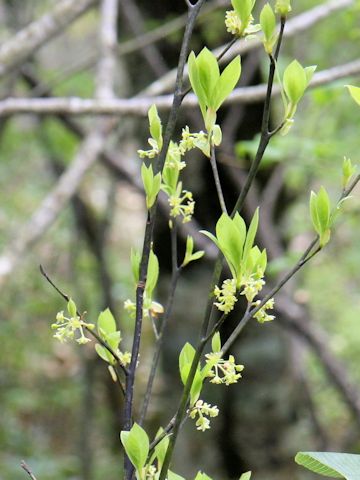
69, 181
140, 106
27, 41
26, 468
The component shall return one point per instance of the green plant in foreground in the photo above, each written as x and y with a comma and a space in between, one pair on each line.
235, 240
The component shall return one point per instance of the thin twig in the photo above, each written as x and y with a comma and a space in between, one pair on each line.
91, 332
160, 338
217, 179
24, 43
26, 468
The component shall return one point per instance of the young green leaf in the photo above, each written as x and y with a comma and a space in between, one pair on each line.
106, 322
71, 308
225, 83
151, 183
243, 8
209, 73
331, 464
295, 82
136, 444
104, 354
189, 255
216, 343
202, 476
152, 274
283, 7
245, 476
195, 83
135, 259
354, 92
155, 126
174, 476
161, 448
348, 170
268, 26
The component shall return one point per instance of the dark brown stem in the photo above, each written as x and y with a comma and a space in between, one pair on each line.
159, 165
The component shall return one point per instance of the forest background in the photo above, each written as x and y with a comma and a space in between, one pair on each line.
301, 387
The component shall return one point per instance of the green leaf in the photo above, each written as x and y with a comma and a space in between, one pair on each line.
151, 183
104, 354
245, 476
135, 259
323, 209
330, 464
283, 7
268, 23
243, 8
196, 386
155, 125
189, 255
209, 73
202, 476
226, 83
152, 274
231, 242
106, 322
196, 84
354, 92
212, 237
348, 170
313, 212
295, 81
161, 448
72, 308
174, 476
250, 237
136, 444
186, 355
216, 342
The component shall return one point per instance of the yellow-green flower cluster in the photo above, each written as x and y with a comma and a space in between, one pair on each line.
235, 27
262, 316
182, 204
202, 410
150, 307
153, 152
69, 327
252, 286
226, 296
192, 140
223, 371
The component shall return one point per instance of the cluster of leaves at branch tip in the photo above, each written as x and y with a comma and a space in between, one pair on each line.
74, 326
107, 330
320, 212
212, 89
148, 463
268, 26
283, 7
247, 263
151, 308
295, 81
